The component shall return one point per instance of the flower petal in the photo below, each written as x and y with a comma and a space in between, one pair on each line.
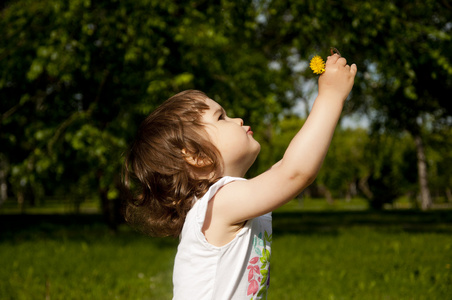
317, 65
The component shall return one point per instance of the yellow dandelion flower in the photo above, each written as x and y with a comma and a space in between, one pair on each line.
317, 65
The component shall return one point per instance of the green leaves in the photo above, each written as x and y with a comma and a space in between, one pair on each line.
77, 78
91, 70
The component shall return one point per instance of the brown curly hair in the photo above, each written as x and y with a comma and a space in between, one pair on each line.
161, 182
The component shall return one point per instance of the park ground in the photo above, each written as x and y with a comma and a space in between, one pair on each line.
335, 252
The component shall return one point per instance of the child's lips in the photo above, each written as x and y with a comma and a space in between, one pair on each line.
249, 131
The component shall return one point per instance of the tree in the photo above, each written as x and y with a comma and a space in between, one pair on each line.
401, 49
345, 164
77, 76
390, 162
439, 161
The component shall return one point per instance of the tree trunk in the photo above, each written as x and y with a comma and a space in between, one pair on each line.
329, 197
21, 201
364, 187
108, 210
3, 183
111, 208
426, 200
449, 195
327, 193
350, 192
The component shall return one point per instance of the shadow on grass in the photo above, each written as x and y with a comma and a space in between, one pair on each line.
82, 227
91, 227
439, 221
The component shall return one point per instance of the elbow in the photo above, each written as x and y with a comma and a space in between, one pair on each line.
310, 180
303, 180
301, 176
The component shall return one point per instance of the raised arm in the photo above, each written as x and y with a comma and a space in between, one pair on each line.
243, 200
307, 150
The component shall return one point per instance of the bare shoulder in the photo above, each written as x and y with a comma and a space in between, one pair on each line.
239, 201
217, 228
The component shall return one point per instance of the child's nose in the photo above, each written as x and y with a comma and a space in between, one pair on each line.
240, 121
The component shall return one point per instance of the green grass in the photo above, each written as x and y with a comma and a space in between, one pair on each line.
362, 263
61, 260
320, 204
305, 204
316, 255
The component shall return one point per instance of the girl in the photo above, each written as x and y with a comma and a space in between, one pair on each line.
188, 162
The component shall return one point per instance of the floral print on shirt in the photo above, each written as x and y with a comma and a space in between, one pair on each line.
259, 267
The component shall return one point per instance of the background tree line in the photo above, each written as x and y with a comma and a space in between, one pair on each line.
378, 166
77, 77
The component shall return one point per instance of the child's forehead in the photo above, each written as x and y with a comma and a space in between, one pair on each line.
213, 105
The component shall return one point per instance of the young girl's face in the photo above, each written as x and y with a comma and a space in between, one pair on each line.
235, 141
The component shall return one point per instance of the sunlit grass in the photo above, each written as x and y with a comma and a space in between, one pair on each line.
302, 204
88, 263
316, 204
315, 256
52, 206
56, 206
362, 263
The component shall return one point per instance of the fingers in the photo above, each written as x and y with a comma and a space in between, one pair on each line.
332, 59
341, 61
353, 69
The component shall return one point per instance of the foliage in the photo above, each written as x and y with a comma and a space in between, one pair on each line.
392, 168
77, 76
401, 49
274, 141
378, 166
345, 163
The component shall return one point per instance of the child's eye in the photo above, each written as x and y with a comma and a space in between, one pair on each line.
221, 117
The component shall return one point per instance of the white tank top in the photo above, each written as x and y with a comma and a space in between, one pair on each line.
237, 270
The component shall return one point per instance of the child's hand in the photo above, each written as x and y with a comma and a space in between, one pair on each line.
338, 79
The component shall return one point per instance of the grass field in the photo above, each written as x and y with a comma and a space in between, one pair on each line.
316, 255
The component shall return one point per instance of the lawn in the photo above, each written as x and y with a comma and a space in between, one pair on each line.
316, 255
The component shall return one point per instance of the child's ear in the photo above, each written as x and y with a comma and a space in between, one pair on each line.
195, 161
